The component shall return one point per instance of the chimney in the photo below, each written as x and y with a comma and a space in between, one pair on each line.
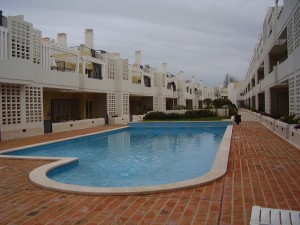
138, 57
62, 39
165, 68
180, 75
89, 38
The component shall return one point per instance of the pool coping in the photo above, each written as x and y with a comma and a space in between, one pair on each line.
39, 175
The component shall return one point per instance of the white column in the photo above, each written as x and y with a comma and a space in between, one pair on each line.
48, 61
256, 101
83, 67
1, 44
77, 64
138, 58
46, 57
165, 68
89, 38
5, 45
103, 71
267, 101
44, 64
119, 103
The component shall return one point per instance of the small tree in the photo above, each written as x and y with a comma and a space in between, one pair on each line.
218, 103
228, 102
207, 102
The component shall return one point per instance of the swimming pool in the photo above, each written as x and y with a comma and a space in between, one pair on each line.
145, 155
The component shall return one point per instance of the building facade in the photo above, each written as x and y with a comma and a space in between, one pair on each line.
272, 83
45, 84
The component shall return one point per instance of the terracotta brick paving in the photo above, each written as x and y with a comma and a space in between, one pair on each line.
263, 170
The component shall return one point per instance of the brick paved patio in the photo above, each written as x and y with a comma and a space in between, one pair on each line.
263, 170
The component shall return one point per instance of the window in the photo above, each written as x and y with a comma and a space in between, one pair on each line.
64, 110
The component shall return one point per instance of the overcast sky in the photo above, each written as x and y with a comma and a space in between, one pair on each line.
203, 38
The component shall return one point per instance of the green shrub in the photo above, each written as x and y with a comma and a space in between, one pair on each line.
218, 103
206, 113
174, 116
228, 102
290, 119
194, 114
191, 114
179, 107
232, 111
207, 102
155, 116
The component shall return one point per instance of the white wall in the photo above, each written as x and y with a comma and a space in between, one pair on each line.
277, 20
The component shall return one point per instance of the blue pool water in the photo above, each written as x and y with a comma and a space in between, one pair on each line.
145, 154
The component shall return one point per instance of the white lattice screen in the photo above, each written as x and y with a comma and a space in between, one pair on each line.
111, 69
155, 79
37, 46
163, 77
111, 99
267, 101
125, 104
33, 104
125, 69
297, 95
11, 104
20, 40
290, 38
155, 104
297, 27
291, 94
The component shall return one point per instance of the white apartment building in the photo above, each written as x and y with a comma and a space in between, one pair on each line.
50, 87
235, 94
272, 83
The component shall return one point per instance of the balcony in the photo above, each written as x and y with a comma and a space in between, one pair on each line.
285, 68
257, 88
18, 70
270, 79
58, 79
23, 72
88, 84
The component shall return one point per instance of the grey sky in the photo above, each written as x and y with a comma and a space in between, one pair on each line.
204, 38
